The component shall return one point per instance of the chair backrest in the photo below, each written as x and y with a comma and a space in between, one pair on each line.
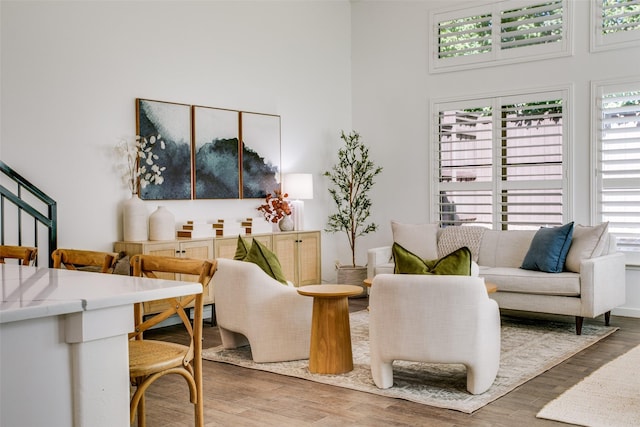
75, 259
24, 254
149, 266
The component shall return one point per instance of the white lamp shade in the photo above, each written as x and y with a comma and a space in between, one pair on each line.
299, 186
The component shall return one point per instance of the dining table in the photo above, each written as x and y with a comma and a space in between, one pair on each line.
64, 344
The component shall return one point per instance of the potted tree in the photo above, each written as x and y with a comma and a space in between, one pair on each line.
351, 179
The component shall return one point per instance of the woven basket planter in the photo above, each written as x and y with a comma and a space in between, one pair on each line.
350, 275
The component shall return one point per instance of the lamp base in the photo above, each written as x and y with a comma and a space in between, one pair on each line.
297, 206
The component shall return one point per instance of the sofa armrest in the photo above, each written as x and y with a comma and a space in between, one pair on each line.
602, 284
377, 256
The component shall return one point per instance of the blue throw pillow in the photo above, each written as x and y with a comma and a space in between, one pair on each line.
549, 249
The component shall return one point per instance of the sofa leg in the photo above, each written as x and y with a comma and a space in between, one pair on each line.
607, 318
579, 325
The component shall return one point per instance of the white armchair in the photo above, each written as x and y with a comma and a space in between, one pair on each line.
434, 319
254, 309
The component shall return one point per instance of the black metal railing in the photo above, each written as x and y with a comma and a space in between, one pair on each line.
20, 197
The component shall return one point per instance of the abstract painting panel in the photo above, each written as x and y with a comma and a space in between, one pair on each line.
173, 123
217, 167
260, 154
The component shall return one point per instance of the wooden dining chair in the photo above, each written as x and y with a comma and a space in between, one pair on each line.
149, 359
76, 259
24, 254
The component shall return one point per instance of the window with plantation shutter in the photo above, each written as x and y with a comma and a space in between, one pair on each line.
617, 156
496, 33
616, 23
500, 161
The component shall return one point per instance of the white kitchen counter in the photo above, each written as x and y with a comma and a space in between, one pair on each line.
63, 344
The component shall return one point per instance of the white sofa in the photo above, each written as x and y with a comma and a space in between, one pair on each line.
598, 287
424, 318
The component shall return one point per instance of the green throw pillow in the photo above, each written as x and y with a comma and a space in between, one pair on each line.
457, 263
260, 255
242, 249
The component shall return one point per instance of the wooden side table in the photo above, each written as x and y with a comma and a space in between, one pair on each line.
330, 351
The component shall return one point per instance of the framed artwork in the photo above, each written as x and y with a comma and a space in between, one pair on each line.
173, 123
260, 136
217, 159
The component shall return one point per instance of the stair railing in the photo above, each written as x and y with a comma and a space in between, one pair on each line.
18, 199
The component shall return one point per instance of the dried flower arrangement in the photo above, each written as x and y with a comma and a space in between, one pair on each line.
275, 207
139, 168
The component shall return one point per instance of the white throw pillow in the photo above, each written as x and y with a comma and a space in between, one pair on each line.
587, 242
421, 239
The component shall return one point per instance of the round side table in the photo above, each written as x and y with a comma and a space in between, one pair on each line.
330, 351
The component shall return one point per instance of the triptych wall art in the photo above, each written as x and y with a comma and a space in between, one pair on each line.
211, 153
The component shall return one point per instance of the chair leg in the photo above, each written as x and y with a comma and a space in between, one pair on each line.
142, 420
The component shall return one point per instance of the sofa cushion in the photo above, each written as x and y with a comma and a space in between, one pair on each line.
421, 239
587, 242
456, 263
260, 255
549, 249
455, 237
510, 279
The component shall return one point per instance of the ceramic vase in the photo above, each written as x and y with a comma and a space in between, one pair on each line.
134, 220
286, 223
162, 225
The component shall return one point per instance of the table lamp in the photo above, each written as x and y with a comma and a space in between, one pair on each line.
299, 186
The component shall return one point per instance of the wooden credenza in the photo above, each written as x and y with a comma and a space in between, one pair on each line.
298, 252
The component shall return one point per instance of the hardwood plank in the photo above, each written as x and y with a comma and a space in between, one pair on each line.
236, 396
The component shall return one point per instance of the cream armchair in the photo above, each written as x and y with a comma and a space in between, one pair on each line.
254, 309
434, 319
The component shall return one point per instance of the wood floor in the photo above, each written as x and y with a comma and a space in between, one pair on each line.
236, 396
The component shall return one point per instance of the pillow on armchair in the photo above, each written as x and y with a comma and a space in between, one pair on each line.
456, 263
260, 255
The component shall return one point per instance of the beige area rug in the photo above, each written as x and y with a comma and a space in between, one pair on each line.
608, 397
529, 348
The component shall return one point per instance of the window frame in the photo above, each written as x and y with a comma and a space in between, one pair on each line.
496, 56
618, 40
598, 89
504, 98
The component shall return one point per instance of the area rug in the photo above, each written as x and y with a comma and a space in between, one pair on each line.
529, 348
608, 397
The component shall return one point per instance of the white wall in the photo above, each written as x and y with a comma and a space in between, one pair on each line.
392, 91
71, 72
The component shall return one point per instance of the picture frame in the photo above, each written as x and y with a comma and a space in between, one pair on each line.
172, 121
216, 153
261, 156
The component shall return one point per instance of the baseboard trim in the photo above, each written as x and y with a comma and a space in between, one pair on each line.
626, 312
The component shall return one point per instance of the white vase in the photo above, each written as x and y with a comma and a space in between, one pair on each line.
286, 223
134, 220
162, 225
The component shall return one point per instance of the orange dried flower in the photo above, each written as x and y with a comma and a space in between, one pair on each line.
275, 207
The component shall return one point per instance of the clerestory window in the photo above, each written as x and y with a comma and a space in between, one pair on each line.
501, 162
615, 23
497, 33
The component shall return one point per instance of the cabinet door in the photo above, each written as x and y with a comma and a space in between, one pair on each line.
309, 267
225, 247
198, 249
285, 247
